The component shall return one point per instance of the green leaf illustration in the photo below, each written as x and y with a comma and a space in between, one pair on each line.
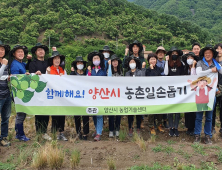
27, 96
35, 78
41, 86
14, 92
14, 82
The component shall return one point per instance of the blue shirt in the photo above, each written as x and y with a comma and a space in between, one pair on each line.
161, 64
18, 67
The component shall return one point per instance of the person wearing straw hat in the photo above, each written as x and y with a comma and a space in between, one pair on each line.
54, 62
18, 67
39, 66
174, 67
5, 97
205, 66
114, 71
80, 65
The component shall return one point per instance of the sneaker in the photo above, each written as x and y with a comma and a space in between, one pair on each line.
117, 133
46, 137
4, 142
197, 139
62, 137
94, 134
138, 132
142, 125
152, 131
213, 131
165, 124
131, 132
84, 137
176, 133
160, 128
97, 138
207, 140
171, 133
188, 132
111, 134
192, 133
80, 135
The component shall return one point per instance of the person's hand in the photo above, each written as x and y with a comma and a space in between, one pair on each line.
27, 73
29, 57
38, 72
72, 69
194, 63
167, 58
126, 50
54, 49
109, 62
218, 92
48, 69
143, 64
214, 70
151, 66
189, 81
4, 61
89, 69
9, 77
61, 74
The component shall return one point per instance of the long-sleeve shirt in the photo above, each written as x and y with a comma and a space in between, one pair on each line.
173, 71
161, 64
19, 67
4, 90
203, 70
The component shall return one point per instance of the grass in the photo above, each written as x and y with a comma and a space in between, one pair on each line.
156, 166
111, 164
208, 166
170, 142
158, 148
167, 149
219, 156
75, 159
39, 159
139, 141
7, 166
199, 149
23, 157
122, 135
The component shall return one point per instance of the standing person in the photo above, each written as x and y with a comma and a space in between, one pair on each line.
196, 49
79, 66
5, 98
161, 52
204, 67
174, 67
218, 48
18, 67
115, 71
154, 70
39, 66
97, 68
58, 122
190, 60
107, 54
133, 64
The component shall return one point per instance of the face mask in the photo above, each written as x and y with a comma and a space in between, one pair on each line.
132, 66
174, 57
106, 55
80, 66
189, 61
96, 63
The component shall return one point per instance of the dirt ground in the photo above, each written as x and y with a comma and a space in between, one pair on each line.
166, 150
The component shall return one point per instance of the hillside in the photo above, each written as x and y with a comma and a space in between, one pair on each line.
206, 14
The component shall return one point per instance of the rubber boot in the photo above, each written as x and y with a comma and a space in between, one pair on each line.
21, 135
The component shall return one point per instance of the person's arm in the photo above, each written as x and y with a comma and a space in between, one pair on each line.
2, 69
193, 71
14, 70
109, 70
166, 69
201, 73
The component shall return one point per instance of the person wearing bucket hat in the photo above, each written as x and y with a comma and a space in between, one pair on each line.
196, 49
39, 66
135, 49
107, 54
58, 122
190, 60
97, 68
174, 67
202, 87
18, 67
154, 70
205, 66
133, 63
114, 70
5, 98
79, 64
218, 48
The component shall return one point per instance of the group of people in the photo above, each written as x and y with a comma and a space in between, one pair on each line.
105, 63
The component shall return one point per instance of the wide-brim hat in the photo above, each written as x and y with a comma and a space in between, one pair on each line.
208, 47
185, 56
128, 59
54, 54
136, 43
78, 59
180, 52
161, 48
16, 47
106, 48
115, 57
94, 53
201, 79
6, 47
39, 45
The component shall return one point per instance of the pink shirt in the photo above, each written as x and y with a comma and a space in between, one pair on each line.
202, 98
